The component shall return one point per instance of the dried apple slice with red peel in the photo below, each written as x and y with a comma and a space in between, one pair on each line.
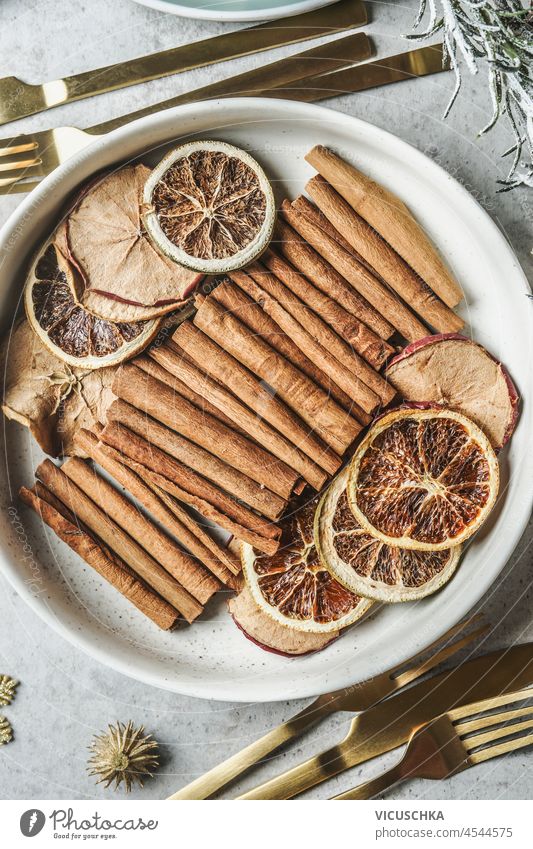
460, 374
269, 635
124, 276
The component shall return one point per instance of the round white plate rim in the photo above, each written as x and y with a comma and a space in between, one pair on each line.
433, 629
250, 15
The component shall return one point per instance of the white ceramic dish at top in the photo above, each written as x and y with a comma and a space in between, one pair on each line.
235, 10
213, 659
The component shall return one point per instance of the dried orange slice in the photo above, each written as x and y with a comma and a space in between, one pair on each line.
293, 587
366, 565
67, 329
423, 478
209, 206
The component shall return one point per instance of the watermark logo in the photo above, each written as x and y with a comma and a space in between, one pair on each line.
32, 822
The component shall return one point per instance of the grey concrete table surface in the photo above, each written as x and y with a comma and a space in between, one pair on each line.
66, 697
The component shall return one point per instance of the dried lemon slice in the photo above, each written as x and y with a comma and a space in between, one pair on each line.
370, 567
294, 588
71, 332
423, 478
209, 206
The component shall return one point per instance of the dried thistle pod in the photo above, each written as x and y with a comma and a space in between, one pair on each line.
6, 731
8, 687
123, 755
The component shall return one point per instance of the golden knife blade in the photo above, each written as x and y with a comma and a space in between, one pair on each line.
390, 723
19, 99
392, 69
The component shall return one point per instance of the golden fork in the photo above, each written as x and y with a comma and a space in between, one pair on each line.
40, 153
19, 99
449, 744
358, 697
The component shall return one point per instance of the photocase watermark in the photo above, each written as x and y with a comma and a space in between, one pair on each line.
66, 825
35, 583
32, 822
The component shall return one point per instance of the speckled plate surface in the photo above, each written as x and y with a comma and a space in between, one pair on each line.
212, 659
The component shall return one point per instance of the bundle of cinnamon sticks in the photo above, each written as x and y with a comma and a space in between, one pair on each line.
260, 394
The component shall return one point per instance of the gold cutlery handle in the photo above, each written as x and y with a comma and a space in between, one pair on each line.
234, 766
19, 99
372, 788
306, 775
326, 57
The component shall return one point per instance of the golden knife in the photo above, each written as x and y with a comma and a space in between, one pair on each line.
389, 724
19, 99
45, 150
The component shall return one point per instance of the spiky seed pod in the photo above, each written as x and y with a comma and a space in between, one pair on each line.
123, 754
6, 732
7, 690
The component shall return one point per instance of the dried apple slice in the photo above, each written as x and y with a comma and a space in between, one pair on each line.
423, 479
269, 635
48, 396
209, 206
124, 277
294, 587
452, 370
70, 331
366, 565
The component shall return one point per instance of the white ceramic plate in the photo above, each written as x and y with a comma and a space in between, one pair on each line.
212, 659
235, 10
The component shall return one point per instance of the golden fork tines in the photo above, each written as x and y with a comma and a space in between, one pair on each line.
19, 99
448, 745
390, 723
355, 698
25, 158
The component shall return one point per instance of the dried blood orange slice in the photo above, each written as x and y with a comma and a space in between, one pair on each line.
423, 478
124, 277
366, 565
209, 206
293, 587
67, 329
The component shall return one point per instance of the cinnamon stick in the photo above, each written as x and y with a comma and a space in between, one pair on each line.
367, 284
251, 314
361, 338
310, 402
246, 386
316, 349
321, 332
198, 581
259, 430
379, 254
103, 561
151, 363
160, 483
392, 219
319, 269
308, 209
205, 464
159, 401
99, 523
183, 568
230, 570
190, 487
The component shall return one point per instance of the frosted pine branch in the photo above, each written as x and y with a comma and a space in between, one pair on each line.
500, 33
